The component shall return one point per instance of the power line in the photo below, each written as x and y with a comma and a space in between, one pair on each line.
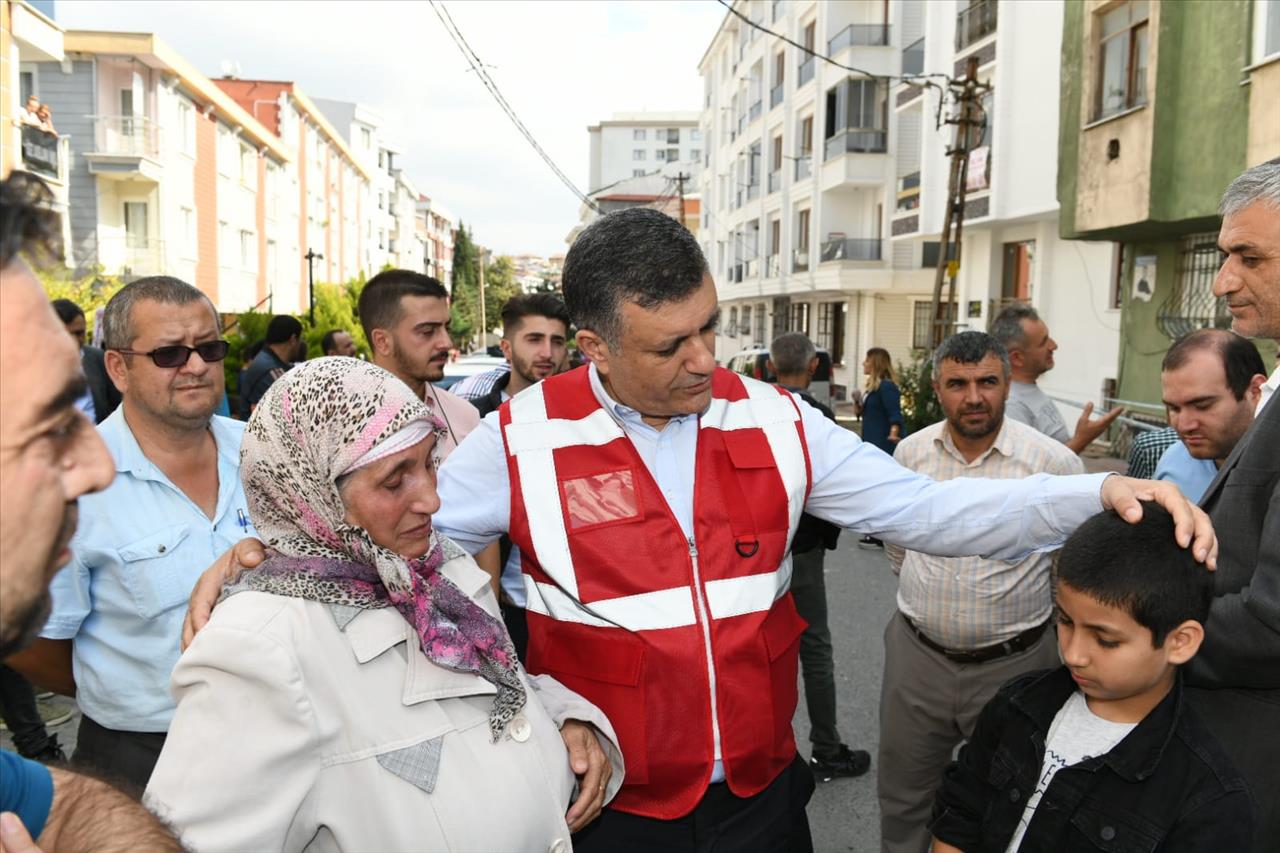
446, 21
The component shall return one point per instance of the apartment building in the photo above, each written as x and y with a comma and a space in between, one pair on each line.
630, 145
439, 226
167, 173
1174, 101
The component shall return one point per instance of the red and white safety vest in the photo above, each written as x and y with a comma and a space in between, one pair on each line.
684, 643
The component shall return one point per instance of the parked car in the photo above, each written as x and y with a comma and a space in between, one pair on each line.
755, 363
467, 365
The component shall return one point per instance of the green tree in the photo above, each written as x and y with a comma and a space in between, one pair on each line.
920, 406
465, 288
90, 292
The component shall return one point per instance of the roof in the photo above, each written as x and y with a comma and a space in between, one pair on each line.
670, 117
153, 52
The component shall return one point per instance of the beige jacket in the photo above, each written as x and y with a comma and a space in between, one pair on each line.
302, 726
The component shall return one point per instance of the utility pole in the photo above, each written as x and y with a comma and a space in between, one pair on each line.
484, 328
681, 177
312, 256
968, 95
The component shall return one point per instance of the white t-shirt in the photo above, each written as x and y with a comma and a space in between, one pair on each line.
1076, 734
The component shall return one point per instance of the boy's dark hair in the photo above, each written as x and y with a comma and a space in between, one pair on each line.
379, 305
533, 305
1138, 568
67, 310
282, 327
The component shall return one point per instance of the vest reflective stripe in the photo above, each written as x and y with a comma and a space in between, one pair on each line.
595, 429
750, 594
648, 611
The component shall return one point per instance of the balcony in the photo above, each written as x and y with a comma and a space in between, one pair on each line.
851, 249
800, 260
856, 142
753, 190
975, 22
754, 113
804, 166
859, 35
805, 73
913, 57
751, 268
908, 192
772, 265
125, 148
45, 154
776, 95
131, 256
735, 273
775, 180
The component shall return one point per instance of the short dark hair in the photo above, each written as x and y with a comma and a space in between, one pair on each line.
282, 327
117, 319
1006, 327
28, 223
1138, 568
533, 305
66, 310
970, 348
328, 343
1240, 358
636, 255
379, 305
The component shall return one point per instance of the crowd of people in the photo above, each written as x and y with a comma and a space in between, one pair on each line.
562, 607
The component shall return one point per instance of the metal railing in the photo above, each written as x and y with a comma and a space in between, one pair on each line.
756, 109
804, 166
975, 22
805, 73
856, 142
851, 249
772, 265
126, 135
859, 35
800, 260
775, 180
753, 192
130, 256
776, 94
751, 268
913, 57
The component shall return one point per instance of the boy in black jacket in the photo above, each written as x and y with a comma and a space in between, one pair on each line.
1103, 753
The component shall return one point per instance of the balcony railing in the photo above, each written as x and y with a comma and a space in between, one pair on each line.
975, 22
909, 192
756, 109
45, 154
751, 268
753, 192
851, 249
860, 35
776, 95
131, 256
800, 260
805, 74
772, 264
856, 142
804, 166
913, 57
775, 180
735, 273
136, 135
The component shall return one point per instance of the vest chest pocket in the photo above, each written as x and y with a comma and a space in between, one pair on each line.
601, 499
157, 579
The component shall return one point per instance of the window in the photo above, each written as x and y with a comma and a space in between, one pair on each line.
637, 154
673, 136
248, 165
802, 237
187, 128
695, 154
637, 173
135, 224
638, 134
921, 327
732, 331
746, 320
810, 29
382, 200
188, 233
831, 328
757, 334
1122, 59
224, 245
775, 161
779, 68
660, 155
271, 261
1191, 304
1266, 29
806, 136
27, 84
366, 138
775, 236
673, 154
858, 111
1019, 264
800, 317
248, 257
695, 135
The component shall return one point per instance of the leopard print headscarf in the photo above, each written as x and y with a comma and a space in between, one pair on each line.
311, 425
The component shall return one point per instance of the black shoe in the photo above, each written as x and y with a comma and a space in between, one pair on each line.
51, 754
870, 542
848, 762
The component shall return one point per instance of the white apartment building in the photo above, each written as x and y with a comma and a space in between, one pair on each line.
439, 227
824, 190
630, 145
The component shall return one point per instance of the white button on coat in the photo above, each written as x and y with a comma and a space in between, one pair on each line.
520, 730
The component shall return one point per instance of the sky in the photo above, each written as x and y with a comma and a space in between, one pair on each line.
561, 65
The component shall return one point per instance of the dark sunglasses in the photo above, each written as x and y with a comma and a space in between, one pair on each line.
178, 355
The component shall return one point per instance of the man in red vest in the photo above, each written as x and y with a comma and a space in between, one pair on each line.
653, 497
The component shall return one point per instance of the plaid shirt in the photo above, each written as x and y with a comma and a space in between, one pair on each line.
1147, 448
970, 602
477, 385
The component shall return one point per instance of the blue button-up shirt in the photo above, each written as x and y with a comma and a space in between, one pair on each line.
1193, 476
140, 546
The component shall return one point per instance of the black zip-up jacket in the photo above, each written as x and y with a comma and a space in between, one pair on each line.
1167, 786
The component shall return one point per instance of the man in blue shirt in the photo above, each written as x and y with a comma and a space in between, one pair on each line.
176, 503
1211, 381
49, 457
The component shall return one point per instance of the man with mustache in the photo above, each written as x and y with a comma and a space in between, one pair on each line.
175, 505
50, 456
965, 625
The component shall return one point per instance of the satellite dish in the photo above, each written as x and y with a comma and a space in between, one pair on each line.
230, 69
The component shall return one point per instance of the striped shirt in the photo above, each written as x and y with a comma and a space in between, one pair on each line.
970, 602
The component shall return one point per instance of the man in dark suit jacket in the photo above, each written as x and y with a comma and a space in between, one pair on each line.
105, 394
1236, 676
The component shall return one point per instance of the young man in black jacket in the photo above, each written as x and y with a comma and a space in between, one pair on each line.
1103, 753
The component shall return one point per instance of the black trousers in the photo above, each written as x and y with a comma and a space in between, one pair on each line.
123, 758
773, 821
18, 707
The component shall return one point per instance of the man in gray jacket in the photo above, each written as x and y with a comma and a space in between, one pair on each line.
1236, 676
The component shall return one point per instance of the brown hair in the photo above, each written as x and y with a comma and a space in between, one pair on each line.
881, 368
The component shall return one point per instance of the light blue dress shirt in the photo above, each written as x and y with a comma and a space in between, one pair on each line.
139, 548
1188, 473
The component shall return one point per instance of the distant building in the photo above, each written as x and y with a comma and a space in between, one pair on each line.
439, 227
630, 145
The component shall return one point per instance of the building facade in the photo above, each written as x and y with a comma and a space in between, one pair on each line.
1174, 101
440, 226
630, 145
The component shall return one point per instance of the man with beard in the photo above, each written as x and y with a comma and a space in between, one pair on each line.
175, 505
49, 457
405, 316
282, 347
965, 625
535, 334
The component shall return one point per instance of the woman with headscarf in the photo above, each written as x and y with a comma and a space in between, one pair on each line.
357, 690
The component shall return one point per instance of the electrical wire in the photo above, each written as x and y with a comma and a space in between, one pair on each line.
446, 21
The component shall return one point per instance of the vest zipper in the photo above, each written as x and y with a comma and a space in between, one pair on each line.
706, 639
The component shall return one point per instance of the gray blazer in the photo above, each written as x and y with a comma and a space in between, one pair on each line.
1242, 640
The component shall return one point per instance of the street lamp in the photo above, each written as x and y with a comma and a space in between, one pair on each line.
312, 256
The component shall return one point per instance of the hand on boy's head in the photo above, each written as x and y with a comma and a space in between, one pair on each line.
1191, 524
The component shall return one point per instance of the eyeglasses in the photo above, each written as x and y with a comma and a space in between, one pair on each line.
178, 355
